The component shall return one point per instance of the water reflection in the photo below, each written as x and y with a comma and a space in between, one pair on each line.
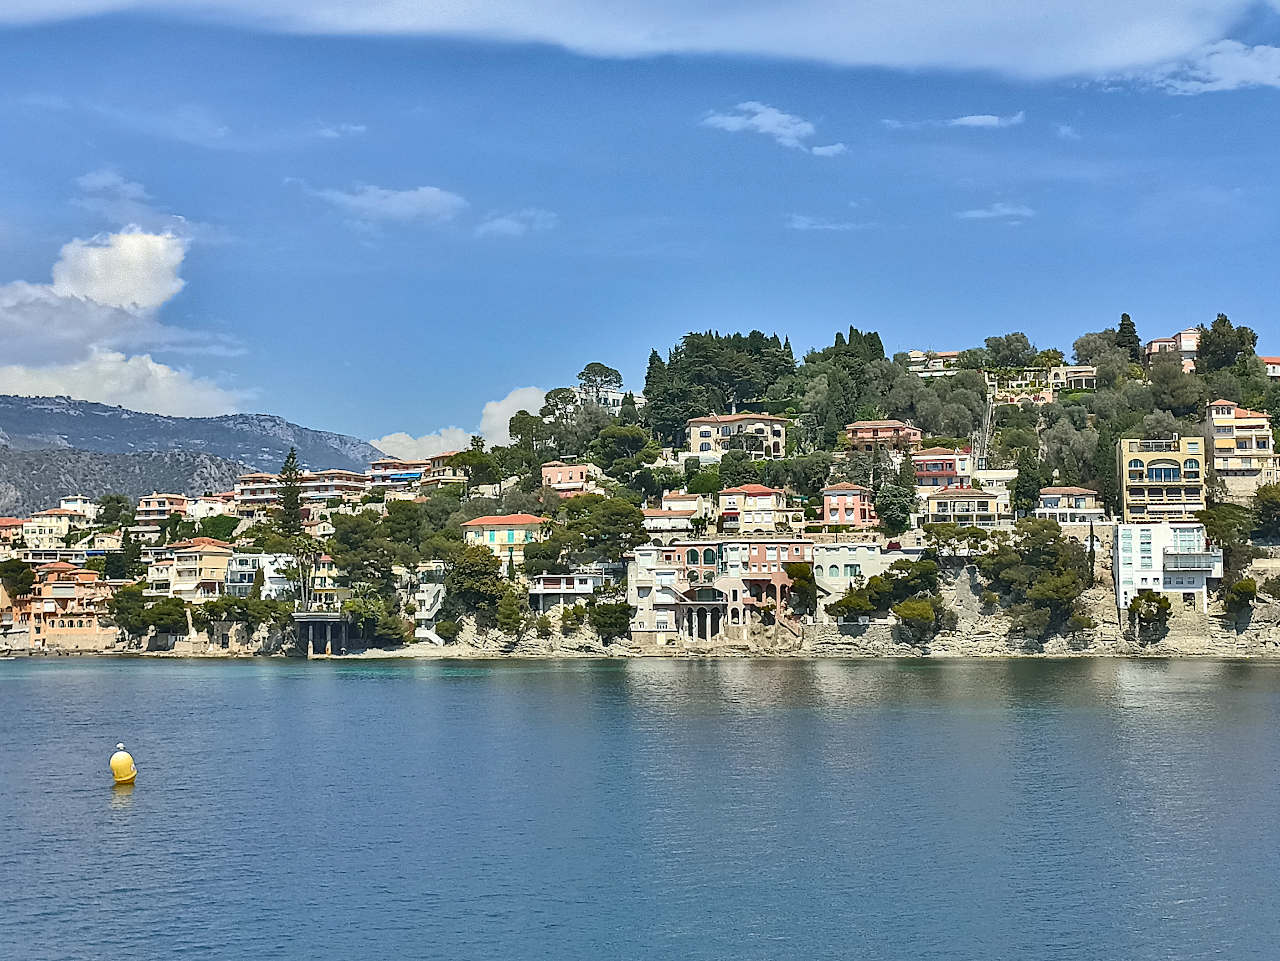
121, 796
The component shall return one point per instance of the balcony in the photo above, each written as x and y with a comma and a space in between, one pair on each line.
1192, 560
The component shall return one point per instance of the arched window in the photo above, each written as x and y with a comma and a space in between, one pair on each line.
1135, 464
692, 555
709, 556
1191, 468
833, 570
1164, 470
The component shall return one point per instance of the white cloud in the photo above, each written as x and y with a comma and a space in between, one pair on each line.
493, 427
372, 204
989, 120
1050, 38
137, 382
786, 129
1225, 65
68, 336
997, 211
1067, 132
801, 222
130, 269
517, 223
336, 131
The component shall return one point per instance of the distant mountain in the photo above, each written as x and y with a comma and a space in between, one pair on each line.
32, 480
260, 440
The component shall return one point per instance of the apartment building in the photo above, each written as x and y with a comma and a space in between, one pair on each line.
81, 504
850, 505
664, 526
11, 529
66, 609
868, 435
1161, 480
968, 507
764, 436
1244, 456
156, 508
258, 493
193, 571
1070, 506
505, 535
941, 467
1167, 558
49, 529
756, 508
242, 574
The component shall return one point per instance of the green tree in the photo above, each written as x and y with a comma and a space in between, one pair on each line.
610, 620
1266, 510
1026, 487
1127, 338
220, 527
804, 588
259, 581
289, 516
1239, 597
513, 614
115, 509
628, 414
1222, 344
473, 582
131, 550
894, 506
17, 577
168, 616
596, 378
128, 610
1149, 612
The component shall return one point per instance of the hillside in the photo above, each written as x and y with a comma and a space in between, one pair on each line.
33, 480
259, 440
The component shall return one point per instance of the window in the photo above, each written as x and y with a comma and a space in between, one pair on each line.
833, 570
704, 447
709, 556
692, 556
851, 570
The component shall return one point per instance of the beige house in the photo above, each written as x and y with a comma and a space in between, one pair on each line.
1161, 480
764, 436
65, 610
155, 508
756, 508
968, 507
193, 571
505, 535
1244, 456
1070, 506
48, 530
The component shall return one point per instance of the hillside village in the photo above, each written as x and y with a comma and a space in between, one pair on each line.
995, 499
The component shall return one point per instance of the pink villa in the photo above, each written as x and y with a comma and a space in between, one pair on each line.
568, 479
849, 504
866, 435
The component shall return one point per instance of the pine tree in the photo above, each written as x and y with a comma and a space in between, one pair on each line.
1026, 488
290, 516
1127, 338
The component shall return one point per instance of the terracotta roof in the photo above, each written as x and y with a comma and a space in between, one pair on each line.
1068, 490
650, 512
1270, 360
58, 511
678, 496
845, 487
1222, 403
880, 423
959, 490
197, 542
751, 489
721, 418
57, 566
507, 520
12, 521
935, 451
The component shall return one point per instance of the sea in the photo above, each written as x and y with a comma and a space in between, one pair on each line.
640, 809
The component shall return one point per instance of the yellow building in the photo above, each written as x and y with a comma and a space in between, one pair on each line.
1244, 456
505, 534
1161, 480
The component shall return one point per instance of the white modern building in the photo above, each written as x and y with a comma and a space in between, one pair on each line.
1167, 558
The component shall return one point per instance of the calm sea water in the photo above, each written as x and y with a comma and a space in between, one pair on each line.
651, 809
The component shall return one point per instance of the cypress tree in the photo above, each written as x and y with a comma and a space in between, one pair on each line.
290, 517
1127, 338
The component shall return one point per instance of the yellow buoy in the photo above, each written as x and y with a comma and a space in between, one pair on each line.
122, 766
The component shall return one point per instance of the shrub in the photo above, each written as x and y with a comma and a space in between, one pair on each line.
1271, 587
1239, 597
572, 618
543, 626
610, 620
448, 631
989, 599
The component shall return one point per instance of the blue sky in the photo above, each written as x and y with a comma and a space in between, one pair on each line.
365, 222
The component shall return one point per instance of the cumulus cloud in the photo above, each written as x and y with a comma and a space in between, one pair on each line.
987, 120
371, 204
1051, 38
786, 129
69, 336
517, 223
493, 427
998, 211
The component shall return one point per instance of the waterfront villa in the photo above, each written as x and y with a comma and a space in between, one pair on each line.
940, 467
194, 571
1168, 558
66, 609
762, 435
505, 535
967, 507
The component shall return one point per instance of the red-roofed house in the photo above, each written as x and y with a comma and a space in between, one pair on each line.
505, 534
570, 479
1070, 505
867, 435
940, 467
66, 610
968, 507
1273, 366
851, 505
11, 529
47, 530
